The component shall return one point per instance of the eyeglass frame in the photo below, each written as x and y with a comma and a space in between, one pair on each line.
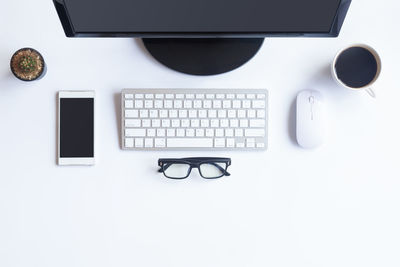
194, 163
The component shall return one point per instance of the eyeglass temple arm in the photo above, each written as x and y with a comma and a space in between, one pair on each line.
221, 169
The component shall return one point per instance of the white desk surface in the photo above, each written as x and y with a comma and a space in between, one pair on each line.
337, 206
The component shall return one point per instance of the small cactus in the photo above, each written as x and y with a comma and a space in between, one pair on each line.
27, 64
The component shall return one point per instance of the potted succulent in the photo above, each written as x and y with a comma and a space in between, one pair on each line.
27, 64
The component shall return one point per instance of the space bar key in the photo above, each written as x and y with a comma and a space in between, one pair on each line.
190, 142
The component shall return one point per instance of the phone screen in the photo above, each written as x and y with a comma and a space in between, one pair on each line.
76, 127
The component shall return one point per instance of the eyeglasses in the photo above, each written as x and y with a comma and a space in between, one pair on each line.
209, 168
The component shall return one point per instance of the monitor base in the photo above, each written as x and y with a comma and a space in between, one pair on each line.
208, 56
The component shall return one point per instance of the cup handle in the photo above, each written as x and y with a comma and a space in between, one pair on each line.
371, 92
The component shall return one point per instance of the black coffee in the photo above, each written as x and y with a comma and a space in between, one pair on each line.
356, 67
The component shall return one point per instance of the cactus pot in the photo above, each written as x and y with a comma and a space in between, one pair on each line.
27, 64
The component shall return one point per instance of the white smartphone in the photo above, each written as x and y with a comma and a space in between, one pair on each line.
76, 127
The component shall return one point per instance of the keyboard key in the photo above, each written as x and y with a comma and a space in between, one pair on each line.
129, 113
128, 104
129, 142
173, 113
226, 104
159, 96
171, 132
163, 113
219, 142
246, 104
188, 104
151, 132
229, 132
236, 104
189, 142
224, 123
199, 132
205, 123
156, 123
146, 123
139, 96
148, 104
132, 123
178, 104
260, 96
251, 113
200, 96
251, 96
192, 113
244, 123
180, 132
257, 123
260, 114
168, 104
183, 113
144, 113
202, 113
258, 104
195, 123
212, 113
185, 123
197, 104
241, 113
234, 123
209, 132
138, 103
148, 142
135, 132
149, 96
158, 104
217, 104
214, 123
160, 132
207, 104
238, 132
220, 96
153, 113
159, 142
255, 132
219, 132
138, 142
190, 132
210, 96
240, 145
231, 113
222, 113
166, 123
230, 142
128, 96
175, 123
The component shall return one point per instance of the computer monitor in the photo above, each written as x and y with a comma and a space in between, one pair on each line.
202, 37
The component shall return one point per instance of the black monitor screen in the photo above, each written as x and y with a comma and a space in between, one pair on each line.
201, 16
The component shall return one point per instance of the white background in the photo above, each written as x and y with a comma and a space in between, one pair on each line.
336, 206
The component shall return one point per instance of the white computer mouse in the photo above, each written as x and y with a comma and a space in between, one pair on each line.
310, 119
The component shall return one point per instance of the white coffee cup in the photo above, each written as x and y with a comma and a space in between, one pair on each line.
368, 87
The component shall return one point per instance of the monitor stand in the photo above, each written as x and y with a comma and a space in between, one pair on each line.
198, 56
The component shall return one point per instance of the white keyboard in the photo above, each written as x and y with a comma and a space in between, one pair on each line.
194, 119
